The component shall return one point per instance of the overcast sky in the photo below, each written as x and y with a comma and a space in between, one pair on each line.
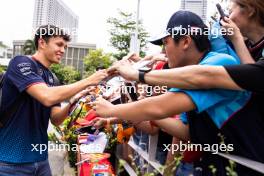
16, 18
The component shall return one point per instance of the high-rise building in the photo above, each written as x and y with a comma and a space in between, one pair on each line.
55, 12
197, 6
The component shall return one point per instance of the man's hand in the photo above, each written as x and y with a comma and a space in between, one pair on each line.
124, 69
156, 57
102, 107
88, 90
97, 77
98, 122
134, 57
75, 98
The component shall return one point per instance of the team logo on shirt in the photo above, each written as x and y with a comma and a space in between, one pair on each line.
40, 72
51, 81
24, 68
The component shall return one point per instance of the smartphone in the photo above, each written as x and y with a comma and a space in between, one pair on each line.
221, 11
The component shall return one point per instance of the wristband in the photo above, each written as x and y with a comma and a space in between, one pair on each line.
141, 74
141, 77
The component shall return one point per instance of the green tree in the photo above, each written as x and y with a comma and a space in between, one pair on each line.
65, 74
121, 30
2, 69
96, 58
29, 47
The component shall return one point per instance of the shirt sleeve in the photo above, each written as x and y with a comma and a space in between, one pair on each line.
22, 73
205, 99
183, 118
248, 76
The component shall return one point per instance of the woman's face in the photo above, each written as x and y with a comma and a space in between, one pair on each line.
239, 16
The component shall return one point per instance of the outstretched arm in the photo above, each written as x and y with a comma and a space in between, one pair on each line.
49, 96
152, 108
146, 127
188, 77
174, 127
59, 114
193, 77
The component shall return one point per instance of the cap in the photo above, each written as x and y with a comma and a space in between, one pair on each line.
180, 20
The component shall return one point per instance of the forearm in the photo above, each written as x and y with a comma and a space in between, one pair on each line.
153, 108
242, 51
193, 77
114, 120
146, 127
59, 115
62, 93
134, 111
174, 127
53, 95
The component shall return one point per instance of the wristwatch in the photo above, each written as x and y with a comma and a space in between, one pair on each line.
142, 72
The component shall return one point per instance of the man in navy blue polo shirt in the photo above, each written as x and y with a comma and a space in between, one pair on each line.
31, 79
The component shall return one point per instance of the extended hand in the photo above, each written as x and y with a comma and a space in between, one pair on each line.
102, 107
98, 122
124, 69
97, 77
156, 57
75, 98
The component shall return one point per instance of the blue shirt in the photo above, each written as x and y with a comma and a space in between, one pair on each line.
28, 126
220, 104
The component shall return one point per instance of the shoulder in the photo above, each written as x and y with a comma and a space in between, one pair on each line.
20, 58
21, 61
214, 58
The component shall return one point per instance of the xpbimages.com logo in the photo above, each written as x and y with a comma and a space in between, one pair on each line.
214, 148
51, 31
57, 146
193, 30
51, 146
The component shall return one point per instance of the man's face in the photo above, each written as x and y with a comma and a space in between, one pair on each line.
174, 52
54, 49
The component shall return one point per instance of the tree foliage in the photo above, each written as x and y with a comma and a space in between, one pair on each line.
95, 59
2, 69
66, 74
29, 47
121, 30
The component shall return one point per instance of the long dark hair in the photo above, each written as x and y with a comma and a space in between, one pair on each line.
256, 6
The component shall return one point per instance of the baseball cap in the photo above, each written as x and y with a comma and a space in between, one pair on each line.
179, 21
